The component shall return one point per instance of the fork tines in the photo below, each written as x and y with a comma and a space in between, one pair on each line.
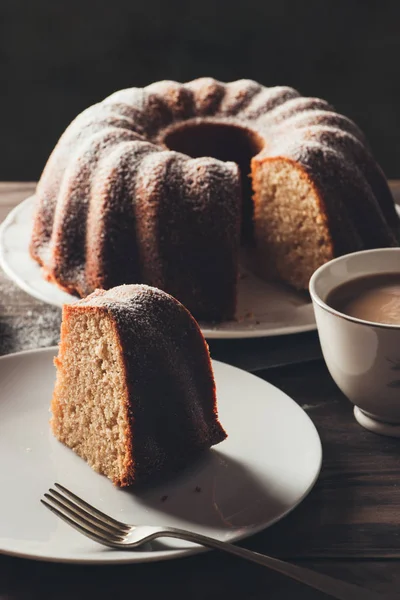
85, 518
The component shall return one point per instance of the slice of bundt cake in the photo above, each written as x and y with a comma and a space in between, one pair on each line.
135, 393
160, 185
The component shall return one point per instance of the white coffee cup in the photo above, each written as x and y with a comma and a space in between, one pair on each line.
363, 357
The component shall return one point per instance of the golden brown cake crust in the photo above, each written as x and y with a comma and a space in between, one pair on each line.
170, 395
120, 161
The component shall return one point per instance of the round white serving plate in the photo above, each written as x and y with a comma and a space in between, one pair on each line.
264, 309
267, 465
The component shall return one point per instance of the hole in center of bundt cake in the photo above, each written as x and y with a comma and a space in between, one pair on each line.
225, 142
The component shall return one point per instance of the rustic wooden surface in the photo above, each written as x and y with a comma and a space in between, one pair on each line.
348, 527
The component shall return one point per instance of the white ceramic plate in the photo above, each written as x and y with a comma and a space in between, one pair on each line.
265, 467
263, 309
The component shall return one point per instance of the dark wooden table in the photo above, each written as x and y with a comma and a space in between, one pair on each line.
348, 527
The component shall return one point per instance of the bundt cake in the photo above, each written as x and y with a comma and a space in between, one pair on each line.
135, 392
151, 186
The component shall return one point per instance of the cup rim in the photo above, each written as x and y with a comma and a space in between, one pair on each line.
322, 304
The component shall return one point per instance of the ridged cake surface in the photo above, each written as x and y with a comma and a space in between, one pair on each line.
135, 391
161, 185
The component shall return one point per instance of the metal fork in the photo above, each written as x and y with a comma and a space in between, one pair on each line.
107, 531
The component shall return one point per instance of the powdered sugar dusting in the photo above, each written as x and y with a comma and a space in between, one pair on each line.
118, 295
27, 325
304, 130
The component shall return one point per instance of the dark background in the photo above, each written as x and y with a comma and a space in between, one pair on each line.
59, 56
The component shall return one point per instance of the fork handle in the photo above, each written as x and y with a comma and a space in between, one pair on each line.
324, 583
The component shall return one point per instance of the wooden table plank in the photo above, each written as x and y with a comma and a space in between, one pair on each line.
210, 576
353, 510
12, 193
